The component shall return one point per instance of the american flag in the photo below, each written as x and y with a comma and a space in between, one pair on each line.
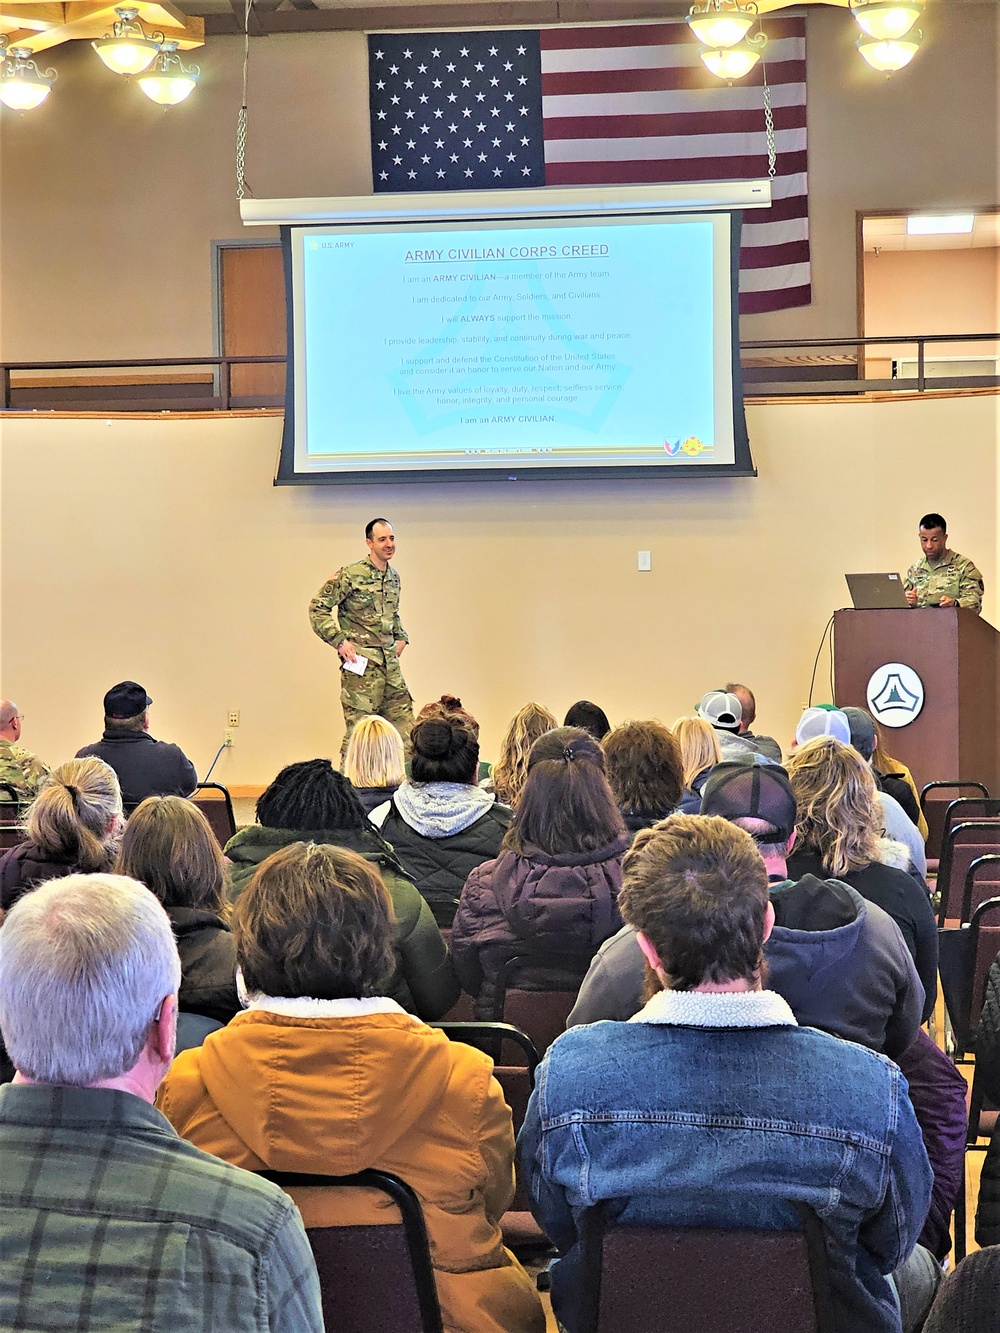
626, 104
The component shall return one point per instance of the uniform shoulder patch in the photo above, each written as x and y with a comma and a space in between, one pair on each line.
334, 577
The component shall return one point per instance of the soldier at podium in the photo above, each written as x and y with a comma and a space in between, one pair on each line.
942, 577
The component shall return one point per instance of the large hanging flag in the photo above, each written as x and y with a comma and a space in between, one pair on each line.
626, 104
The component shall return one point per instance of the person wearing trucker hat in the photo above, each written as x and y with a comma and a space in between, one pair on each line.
145, 766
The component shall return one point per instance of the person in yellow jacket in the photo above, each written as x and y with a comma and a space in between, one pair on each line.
322, 1073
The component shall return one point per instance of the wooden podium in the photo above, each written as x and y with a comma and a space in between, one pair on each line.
956, 654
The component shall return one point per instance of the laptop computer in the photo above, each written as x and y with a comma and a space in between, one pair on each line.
876, 592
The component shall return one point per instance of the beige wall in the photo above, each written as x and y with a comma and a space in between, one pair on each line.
110, 203
159, 550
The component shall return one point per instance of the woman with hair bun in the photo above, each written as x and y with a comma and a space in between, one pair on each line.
439, 822
554, 886
72, 826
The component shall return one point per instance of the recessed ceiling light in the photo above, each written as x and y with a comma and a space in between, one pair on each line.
954, 224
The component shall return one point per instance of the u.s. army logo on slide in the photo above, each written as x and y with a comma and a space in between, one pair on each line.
895, 694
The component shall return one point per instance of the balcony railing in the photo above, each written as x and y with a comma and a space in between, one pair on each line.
772, 368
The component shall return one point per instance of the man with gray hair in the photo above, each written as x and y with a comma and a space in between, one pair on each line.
110, 1219
20, 770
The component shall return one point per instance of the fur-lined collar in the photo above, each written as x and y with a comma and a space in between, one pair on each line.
710, 1009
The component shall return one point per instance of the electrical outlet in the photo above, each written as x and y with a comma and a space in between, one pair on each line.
233, 717
228, 739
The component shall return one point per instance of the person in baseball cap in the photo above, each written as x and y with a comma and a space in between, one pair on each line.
145, 766
823, 721
725, 712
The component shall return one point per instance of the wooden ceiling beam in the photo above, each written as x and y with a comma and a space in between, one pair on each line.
43, 26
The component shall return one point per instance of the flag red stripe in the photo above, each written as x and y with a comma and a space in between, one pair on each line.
781, 298
681, 122
647, 34
774, 256
689, 78
661, 171
781, 210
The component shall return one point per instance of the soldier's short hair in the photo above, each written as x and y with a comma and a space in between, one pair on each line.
931, 521
370, 527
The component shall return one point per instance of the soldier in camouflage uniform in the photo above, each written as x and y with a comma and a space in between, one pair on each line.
19, 768
942, 577
357, 612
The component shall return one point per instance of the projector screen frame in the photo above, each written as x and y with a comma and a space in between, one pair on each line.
742, 465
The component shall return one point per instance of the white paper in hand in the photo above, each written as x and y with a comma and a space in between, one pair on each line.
357, 666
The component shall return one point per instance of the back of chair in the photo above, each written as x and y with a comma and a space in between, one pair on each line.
538, 990
372, 1278
934, 802
697, 1280
12, 809
215, 803
965, 843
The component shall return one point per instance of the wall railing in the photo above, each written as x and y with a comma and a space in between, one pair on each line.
772, 368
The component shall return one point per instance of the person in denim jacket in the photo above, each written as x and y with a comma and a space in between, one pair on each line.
712, 1107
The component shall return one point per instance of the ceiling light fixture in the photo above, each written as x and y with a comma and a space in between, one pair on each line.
721, 23
889, 56
734, 62
885, 20
169, 80
23, 86
129, 49
948, 224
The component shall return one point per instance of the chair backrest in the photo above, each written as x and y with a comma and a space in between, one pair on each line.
538, 990
934, 802
967, 952
706, 1281
965, 843
12, 808
372, 1277
215, 803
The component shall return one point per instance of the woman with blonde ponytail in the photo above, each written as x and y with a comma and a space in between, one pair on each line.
73, 825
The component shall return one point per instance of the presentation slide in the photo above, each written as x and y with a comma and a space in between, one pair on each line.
597, 342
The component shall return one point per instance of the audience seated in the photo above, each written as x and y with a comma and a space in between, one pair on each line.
325, 1073
988, 1075
145, 767
449, 705
839, 961
725, 714
169, 846
683, 1115
312, 802
588, 716
508, 774
440, 823
884, 763
19, 768
840, 834
110, 1220
554, 886
375, 763
645, 772
73, 824
765, 745
699, 746
898, 820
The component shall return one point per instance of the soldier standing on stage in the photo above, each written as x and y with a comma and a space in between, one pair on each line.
357, 611
942, 577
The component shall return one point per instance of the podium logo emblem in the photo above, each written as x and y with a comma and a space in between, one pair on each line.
895, 694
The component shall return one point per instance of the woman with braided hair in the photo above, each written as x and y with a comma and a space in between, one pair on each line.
312, 802
73, 825
554, 886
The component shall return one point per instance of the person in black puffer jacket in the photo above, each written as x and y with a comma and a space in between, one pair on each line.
72, 826
554, 886
169, 846
440, 823
645, 772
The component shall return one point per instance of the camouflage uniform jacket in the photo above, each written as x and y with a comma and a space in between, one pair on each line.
359, 603
22, 770
953, 576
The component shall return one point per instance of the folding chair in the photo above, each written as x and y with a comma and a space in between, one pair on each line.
372, 1277
12, 809
934, 808
217, 809
705, 1280
967, 842
538, 989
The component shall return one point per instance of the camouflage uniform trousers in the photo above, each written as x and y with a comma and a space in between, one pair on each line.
380, 690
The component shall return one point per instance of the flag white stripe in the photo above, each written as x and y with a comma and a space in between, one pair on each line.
665, 101
773, 233
788, 187
671, 147
668, 56
774, 279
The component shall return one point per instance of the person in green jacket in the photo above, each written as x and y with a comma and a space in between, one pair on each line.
312, 802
